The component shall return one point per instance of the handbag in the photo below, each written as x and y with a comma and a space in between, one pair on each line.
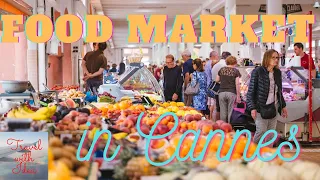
193, 90
268, 111
213, 89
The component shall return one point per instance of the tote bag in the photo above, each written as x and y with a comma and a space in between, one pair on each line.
193, 90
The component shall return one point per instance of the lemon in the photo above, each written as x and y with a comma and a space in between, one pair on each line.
175, 109
180, 104
165, 104
173, 103
160, 109
193, 112
169, 108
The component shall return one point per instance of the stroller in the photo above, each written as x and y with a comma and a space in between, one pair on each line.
241, 119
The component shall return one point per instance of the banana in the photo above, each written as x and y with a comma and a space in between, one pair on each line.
37, 116
27, 109
11, 114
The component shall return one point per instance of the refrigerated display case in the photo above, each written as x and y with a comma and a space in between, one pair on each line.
295, 92
137, 80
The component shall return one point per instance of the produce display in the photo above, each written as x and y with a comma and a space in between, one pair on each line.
62, 161
106, 98
72, 93
60, 87
24, 112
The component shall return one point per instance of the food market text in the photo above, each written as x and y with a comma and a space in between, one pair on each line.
98, 28
149, 137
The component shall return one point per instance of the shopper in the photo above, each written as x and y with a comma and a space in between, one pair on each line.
187, 71
95, 64
200, 77
108, 68
229, 92
122, 68
264, 98
114, 68
298, 50
216, 66
214, 58
157, 73
173, 80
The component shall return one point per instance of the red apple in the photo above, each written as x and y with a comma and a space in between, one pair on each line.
74, 113
226, 127
66, 121
81, 120
92, 120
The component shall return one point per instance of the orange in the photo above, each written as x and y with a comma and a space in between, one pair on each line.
206, 129
240, 145
170, 125
170, 151
184, 151
140, 107
190, 126
236, 156
164, 121
116, 107
159, 144
123, 105
183, 125
252, 148
150, 121
175, 140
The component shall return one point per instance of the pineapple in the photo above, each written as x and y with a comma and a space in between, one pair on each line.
139, 166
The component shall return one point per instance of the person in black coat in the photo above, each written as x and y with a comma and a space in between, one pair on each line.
264, 97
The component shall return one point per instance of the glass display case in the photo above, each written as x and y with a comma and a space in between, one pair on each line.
294, 82
138, 78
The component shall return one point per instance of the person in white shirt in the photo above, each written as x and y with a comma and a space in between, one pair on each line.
217, 65
214, 57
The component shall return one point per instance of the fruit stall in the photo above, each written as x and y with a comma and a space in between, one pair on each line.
66, 127
68, 122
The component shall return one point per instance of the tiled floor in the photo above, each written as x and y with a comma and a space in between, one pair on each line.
310, 154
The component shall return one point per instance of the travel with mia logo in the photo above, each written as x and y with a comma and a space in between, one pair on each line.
23, 155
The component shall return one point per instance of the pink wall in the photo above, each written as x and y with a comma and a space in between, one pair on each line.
13, 59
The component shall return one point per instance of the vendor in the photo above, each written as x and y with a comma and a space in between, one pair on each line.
93, 64
298, 50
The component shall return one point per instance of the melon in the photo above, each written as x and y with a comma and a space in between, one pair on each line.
70, 103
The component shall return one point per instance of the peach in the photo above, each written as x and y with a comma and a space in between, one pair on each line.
183, 130
189, 117
128, 123
226, 127
145, 129
215, 126
162, 129
219, 122
125, 129
164, 121
133, 118
206, 129
197, 117
92, 120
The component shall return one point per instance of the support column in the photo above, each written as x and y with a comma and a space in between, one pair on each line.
275, 8
190, 47
20, 57
205, 49
41, 54
230, 9
182, 47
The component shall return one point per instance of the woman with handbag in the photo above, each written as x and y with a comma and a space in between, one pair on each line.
229, 91
199, 81
264, 98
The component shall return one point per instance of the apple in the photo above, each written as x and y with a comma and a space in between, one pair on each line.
226, 127
73, 126
66, 120
91, 126
74, 113
197, 117
189, 117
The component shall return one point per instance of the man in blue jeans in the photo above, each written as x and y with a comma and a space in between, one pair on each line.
93, 64
187, 71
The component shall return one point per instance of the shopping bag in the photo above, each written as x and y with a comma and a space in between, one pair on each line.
213, 89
